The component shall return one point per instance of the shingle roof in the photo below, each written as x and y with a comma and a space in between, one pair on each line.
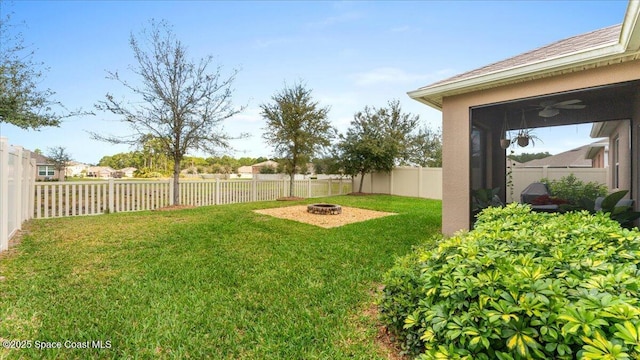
573, 158
606, 36
40, 159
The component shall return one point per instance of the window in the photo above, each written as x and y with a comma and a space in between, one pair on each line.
45, 170
616, 163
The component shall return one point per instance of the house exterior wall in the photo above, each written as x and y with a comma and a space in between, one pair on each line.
456, 129
635, 148
598, 159
620, 158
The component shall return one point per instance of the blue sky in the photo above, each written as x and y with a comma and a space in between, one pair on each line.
352, 54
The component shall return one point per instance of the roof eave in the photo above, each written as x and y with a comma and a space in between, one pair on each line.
570, 61
630, 32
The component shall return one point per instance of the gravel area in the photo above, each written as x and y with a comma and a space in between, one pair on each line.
299, 213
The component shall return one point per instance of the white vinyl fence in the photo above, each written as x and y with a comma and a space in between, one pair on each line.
523, 176
427, 182
17, 178
57, 199
423, 182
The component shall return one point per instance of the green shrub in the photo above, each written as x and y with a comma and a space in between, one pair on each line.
573, 190
520, 285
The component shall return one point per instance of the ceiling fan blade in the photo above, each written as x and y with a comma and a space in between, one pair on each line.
570, 106
548, 112
567, 102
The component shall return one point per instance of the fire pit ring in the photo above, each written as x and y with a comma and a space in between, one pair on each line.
324, 209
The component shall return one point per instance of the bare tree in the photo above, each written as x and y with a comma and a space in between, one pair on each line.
179, 102
297, 127
60, 158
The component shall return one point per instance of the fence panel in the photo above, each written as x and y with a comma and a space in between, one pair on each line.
56, 199
17, 176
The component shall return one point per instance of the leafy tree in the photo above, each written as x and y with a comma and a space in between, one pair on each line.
327, 165
268, 170
179, 102
60, 158
246, 161
22, 103
297, 127
426, 148
122, 160
376, 140
524, 157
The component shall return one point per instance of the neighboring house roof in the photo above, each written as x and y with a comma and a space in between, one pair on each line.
513, 163
245, 169
128, 169
613, 44
595, 148
573, 158
266, 163
41, 159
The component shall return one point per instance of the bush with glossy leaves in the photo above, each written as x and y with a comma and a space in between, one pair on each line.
520, 285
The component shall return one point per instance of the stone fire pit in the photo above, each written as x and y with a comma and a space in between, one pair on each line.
324, 209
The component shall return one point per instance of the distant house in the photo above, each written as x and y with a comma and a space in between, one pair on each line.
103, 172
45, 169
76, 169
614, 152
247, 169
574, 158
255, 168
128, 172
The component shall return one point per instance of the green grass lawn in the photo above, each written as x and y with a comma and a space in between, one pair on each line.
211, 282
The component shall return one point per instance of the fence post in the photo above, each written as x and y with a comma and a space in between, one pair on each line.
329, 193
17, 188
31, 186
217, 197
170, 183
309, 187
340, 186
419, 181
4, 191
391, 181
254, 189
111, 195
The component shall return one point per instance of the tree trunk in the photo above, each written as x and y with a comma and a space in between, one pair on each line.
176, 182
361, 181
291, 183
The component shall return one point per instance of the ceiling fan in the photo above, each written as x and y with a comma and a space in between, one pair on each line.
552, 108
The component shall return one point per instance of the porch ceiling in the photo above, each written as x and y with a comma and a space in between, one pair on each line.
611, 102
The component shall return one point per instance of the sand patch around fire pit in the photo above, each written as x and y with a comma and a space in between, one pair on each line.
299, 213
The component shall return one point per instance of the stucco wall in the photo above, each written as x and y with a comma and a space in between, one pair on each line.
456, 122
622, 132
